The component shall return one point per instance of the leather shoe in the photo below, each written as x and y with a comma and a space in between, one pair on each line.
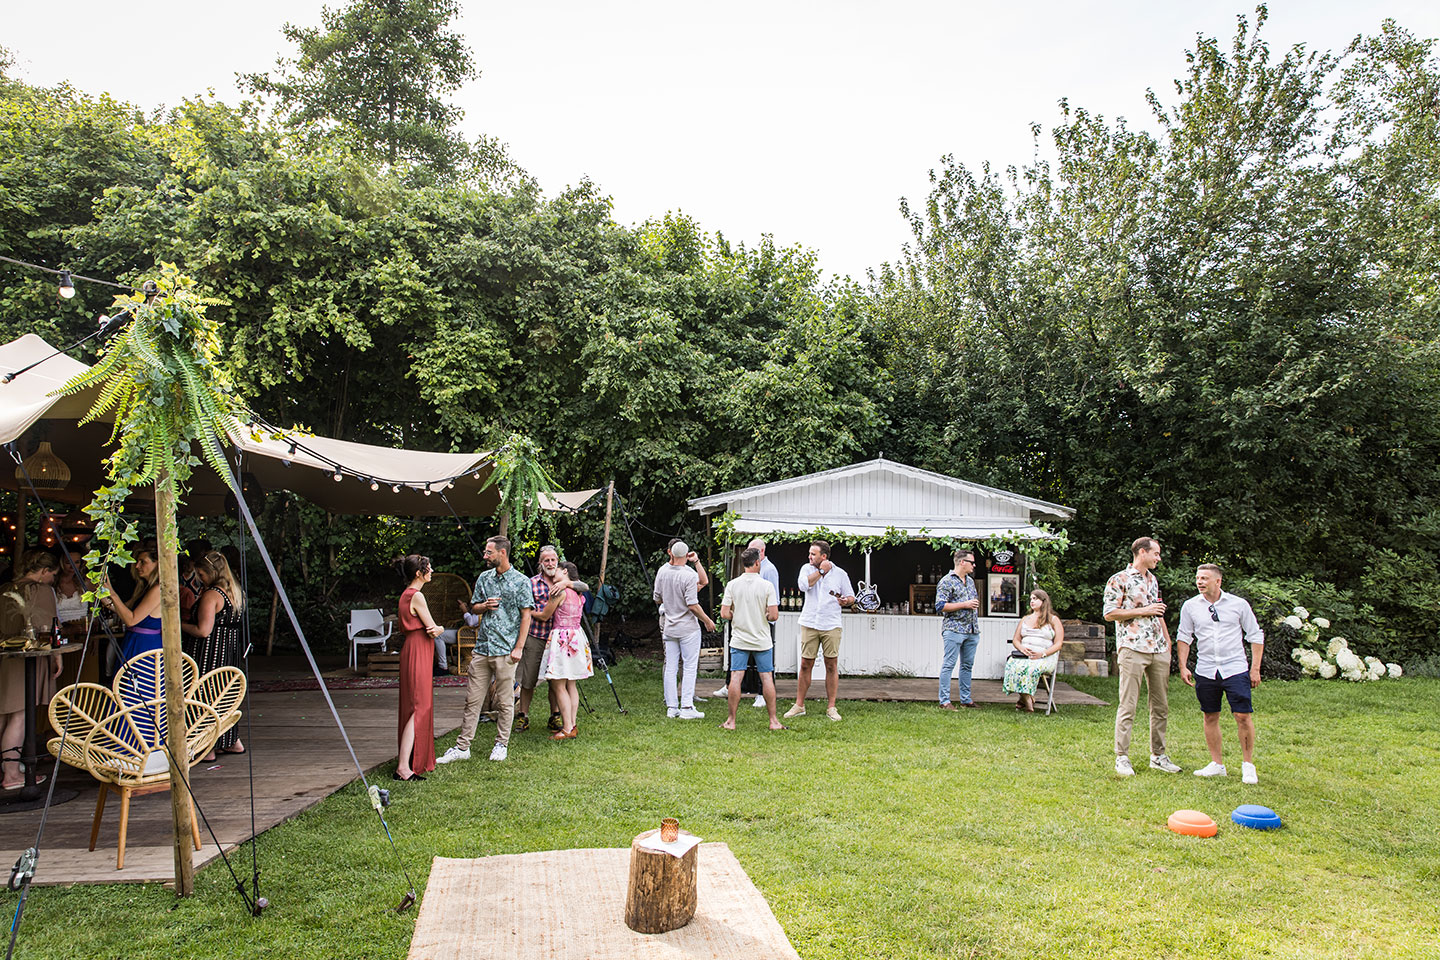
947, 706
972, 705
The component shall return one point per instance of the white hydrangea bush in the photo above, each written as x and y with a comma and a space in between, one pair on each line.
1334, 658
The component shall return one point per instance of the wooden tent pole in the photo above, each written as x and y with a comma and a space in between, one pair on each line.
20, 502
605, 540
176, 734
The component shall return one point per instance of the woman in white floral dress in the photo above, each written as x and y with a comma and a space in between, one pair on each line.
1037, 640
567, 655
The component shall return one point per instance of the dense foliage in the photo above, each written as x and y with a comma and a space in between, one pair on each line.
1221, 333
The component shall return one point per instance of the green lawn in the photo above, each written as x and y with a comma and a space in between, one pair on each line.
902, 831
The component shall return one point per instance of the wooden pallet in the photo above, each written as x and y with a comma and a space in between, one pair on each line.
382, 665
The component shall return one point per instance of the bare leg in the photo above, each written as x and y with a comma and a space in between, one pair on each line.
1246, 724
1212, 734
525, 697
767, 687
733, 694
554, 694
12, 735
832, 679
407, 749
802, 679
569, 696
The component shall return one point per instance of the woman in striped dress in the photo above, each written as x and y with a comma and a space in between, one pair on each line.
217, 628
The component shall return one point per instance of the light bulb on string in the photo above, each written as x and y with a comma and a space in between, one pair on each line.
338, 476
427, 489
67, 286
395, 488
374, 485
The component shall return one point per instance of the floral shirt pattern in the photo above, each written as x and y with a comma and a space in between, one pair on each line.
951, 590
500, 629
1130, 590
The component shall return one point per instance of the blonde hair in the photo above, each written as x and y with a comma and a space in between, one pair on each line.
216, 570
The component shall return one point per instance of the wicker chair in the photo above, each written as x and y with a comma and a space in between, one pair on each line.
441, 595
118, 735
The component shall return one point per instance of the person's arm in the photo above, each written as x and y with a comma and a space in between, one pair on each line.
1015, 640
808, 580
519, 649
204, 616
772, 611
148, 605
1113, 611
1182, 652
1058, 629
726, 613
1251, 628
552, 602
694, 558
700, 614
420, 608
1184, 639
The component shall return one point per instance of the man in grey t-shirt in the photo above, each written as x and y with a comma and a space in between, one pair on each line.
677, 591
752, 606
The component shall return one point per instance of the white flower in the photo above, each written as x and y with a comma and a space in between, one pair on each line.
1293, 622
1355, 676
1311, 659
1349, 663
1297, 653
1376, 670
1302, 613
1370, 662
1394, 670
1327, 669
1321, 622
1333, 648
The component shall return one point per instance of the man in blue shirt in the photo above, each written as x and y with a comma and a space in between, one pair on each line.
959, 603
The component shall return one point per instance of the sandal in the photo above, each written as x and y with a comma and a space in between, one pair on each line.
230, 750
559, 735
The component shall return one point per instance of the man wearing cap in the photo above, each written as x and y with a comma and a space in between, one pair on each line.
677, 591
1219, 623
827, 588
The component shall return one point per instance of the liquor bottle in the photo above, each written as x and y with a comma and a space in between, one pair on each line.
919, 576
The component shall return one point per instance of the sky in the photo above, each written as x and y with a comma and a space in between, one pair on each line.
806, 121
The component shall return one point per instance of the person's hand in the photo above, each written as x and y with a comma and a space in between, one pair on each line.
1156, 609
560, 584
517, 653
709, 624
692, 557
1187, 676
1034, 654
973, 604
846, 600
435, 631
1254, 678
825, 566
464, 607
490, 605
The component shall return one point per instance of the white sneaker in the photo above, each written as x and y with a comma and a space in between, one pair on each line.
1163, 762
759, 699
453, 754
672, 712
832, 713
796, 711
1122, 766
722, 692
690, 713
1247, 773
500, 752
1211, 769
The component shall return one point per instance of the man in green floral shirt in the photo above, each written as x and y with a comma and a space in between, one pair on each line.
1142, 650
504, 600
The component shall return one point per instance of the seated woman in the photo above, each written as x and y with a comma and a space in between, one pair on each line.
1037, 641
36, 579
216, 629
141, 615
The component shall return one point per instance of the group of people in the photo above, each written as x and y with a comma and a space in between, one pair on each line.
527, 628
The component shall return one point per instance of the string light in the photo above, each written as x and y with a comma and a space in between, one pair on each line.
338, 476
67, 286
374, 484
395, 488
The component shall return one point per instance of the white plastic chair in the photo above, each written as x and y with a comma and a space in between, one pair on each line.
366, 626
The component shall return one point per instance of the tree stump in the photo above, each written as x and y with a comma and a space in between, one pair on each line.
661, 894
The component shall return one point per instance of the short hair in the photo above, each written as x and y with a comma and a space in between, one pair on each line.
1143, 543
1212, 568
501, 543
750, 556
962, 553
551, 547
679, 548
758, 543
823, 547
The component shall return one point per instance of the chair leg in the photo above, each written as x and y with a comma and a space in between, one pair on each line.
124, 825
99, 809
1050, 700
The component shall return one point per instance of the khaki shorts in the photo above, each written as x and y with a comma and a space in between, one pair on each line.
527, 671
812, 641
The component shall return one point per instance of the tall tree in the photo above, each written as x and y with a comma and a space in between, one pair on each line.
380, 69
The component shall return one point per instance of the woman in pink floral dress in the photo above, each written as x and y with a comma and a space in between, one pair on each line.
568, 652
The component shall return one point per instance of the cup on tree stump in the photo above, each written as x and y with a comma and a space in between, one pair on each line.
669, 830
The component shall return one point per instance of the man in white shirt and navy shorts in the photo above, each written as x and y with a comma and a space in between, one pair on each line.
1219, 624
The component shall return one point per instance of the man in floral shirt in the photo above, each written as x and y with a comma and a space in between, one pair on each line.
958, 601
1142, 649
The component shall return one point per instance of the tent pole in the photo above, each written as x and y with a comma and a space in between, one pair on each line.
176, 735
20, 502
605, 540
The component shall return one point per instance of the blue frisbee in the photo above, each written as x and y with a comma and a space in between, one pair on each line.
1256, 817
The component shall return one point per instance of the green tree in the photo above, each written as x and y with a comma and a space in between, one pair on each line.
380, 69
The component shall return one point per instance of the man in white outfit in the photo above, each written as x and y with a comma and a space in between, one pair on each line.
677, 591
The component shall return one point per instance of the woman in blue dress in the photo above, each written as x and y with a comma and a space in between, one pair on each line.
141, 615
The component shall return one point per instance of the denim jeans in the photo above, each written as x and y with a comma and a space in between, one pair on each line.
958, 646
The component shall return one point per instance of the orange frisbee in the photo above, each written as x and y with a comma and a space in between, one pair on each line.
1192, 823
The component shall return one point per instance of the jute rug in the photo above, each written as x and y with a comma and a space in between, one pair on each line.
570, 905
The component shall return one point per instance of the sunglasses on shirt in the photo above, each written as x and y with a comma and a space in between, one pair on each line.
1213, 615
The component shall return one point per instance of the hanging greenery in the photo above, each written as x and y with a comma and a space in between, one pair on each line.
170, 399
520, 477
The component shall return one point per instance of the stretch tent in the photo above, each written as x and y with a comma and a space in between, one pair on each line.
27, 407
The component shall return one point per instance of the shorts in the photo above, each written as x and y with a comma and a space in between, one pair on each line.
764, 660
1236, 689
527, 671
813, 641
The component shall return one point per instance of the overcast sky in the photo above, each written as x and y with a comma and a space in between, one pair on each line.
804, 120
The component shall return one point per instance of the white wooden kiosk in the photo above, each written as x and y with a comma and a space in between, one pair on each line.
866, 499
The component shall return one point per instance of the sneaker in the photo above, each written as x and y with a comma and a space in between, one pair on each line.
832, 713
690, 713
796, 711
522, 723
722, 692
1247, 773
1163, 762
500, 752
703, 700
1211, 769
1122, 767
759, 699
672, 712
453, 754
555, 723
486, 718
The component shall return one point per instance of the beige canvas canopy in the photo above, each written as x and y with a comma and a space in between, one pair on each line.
29, 409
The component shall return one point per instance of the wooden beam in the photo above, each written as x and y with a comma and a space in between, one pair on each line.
605, 539
176, 734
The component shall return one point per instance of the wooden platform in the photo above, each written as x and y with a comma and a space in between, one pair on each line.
300, 759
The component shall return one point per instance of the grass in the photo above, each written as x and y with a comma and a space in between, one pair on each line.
902, 831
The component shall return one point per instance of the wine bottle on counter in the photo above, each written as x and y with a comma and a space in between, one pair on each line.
919, 575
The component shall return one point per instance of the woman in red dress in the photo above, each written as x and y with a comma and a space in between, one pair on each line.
417, 690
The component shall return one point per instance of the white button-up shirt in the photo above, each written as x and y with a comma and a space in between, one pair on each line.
1219, 646
822, 608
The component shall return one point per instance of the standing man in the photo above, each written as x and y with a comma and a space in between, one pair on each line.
751, 683
504, 601
1142, 645
1218, 623
677, 591
541, 623
827, 588
959, 628
752, 605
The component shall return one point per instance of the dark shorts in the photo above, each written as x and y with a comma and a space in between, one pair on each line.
1237, 689
527, 671
764, 660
